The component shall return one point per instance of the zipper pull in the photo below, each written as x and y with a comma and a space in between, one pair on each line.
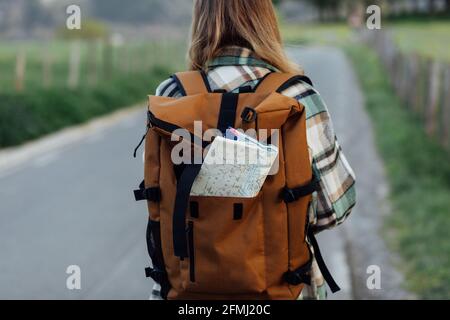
141, 142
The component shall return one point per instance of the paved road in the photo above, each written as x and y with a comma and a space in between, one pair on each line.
358, 243
73, 205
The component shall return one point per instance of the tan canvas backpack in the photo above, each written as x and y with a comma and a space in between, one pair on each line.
221, 247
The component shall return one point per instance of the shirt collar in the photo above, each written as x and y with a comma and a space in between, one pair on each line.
238, 56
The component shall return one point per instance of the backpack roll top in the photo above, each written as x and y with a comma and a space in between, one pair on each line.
258, 111
228, 247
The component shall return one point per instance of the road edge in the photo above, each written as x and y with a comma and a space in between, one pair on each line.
13, 157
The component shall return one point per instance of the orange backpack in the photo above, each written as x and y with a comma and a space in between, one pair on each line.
222, 247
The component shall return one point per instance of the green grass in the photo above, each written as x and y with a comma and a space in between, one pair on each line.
28, 116
139, 56
417, 167
427, 38
136, 71
330, 33
419, 175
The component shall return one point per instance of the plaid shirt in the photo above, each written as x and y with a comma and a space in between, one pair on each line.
332, 203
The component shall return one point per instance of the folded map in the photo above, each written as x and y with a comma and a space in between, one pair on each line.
235, 168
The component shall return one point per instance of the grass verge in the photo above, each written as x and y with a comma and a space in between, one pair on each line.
419, 174
329, 33
37, 112
427, 38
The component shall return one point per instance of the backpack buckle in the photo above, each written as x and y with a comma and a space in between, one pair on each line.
156, 274
294, 278
249, 115
289, 195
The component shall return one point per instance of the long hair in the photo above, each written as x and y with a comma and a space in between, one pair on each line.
247, 23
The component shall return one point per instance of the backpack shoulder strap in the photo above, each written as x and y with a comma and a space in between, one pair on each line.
278, 82
192, 82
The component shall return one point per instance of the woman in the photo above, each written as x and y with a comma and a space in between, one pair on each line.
237, 43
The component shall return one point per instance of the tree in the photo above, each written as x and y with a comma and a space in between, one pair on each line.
434, 6
135, 12
326, 6
276, 2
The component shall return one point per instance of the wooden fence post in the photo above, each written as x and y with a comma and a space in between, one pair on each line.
398, 73
418, 94
433, 98
47, 68
404, 90
445, 135
92, 62
426, 71
74, 65
422, 85
107, 59
414, 81
126, 59
21, 66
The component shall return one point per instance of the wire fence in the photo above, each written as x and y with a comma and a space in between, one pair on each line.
30, 66
421, 83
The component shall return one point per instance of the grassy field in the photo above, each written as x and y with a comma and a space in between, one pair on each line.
131, 73
303, 34
427, 38
419, 174
130, 58
431, 39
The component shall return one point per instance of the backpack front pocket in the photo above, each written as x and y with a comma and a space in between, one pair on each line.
226, 246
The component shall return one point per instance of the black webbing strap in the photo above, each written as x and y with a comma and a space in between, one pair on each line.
227, 113
293, 81
184, 187
300, 275
149, 194
291, 195
321, 263
192, 82
205, 80
170, 128
179, 85
158, 271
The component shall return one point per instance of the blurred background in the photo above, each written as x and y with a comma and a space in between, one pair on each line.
72, 108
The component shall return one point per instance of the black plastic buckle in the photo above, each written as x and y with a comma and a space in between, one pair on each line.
289, 195
153, 194
293, 278
139, 195
157, 275
150, 194
246, 89
249, 115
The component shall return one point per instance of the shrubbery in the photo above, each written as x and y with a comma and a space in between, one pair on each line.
38, 112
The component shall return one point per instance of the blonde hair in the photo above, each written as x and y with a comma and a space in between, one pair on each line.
247, 23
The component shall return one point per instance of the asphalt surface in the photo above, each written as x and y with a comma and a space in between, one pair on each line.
74, 205
355, 248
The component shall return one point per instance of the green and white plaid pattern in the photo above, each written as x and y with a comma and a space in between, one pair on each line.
332, 203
